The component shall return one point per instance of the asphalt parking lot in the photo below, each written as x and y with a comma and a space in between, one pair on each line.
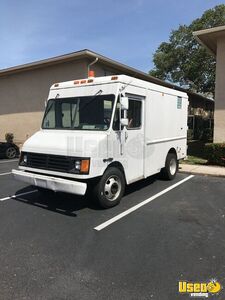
65, 247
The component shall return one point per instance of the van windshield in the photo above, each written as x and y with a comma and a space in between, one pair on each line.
79, 113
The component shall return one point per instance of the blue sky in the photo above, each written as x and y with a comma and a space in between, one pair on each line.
128, 31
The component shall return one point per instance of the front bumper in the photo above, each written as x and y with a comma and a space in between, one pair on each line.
52, 183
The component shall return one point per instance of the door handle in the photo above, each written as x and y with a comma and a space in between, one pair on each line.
126, 135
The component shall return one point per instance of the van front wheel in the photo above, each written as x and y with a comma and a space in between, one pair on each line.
110, 188
171, 167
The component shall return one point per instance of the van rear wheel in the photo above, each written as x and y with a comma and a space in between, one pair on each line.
110, 188
171, 167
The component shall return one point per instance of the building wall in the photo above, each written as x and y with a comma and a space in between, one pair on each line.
219, 127
23, 95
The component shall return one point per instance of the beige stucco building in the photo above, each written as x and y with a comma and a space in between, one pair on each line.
24, 89
214, 40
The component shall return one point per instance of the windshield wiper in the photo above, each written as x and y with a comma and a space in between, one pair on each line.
48, 109
92, 98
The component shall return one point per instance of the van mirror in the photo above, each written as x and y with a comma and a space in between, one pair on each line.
124, 122
124, 103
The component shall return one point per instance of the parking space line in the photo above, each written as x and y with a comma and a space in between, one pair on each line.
3, 174
18, 195
130, 210
7, 161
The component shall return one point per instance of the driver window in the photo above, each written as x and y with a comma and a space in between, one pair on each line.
134, 114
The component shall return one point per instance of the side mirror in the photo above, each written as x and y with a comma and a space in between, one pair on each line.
124, 102
124, 122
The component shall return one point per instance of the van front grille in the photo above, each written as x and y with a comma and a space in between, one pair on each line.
50, 162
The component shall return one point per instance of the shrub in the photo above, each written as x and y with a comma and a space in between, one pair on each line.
9, 137
215, 153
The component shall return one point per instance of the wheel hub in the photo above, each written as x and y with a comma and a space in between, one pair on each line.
173, 166
11, 152
112, 188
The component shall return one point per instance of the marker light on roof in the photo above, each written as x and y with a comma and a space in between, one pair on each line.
90, 80
76, 82
83, 81
56, 84
114, 77
91, 73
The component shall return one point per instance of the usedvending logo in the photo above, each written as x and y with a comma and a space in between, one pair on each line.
200, 289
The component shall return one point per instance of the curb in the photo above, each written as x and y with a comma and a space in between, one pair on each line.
201, 173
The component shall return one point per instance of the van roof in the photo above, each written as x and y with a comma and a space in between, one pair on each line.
129, 80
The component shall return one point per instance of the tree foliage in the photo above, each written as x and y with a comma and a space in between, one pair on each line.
183, 61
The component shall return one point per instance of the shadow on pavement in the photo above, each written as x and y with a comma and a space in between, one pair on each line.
68, 204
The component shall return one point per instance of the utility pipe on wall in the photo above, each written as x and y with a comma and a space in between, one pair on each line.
91, 73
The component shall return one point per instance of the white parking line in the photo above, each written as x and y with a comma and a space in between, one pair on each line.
18, 195
3, 174
130, 210
7, 161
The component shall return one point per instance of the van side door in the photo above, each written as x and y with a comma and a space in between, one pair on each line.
134, 139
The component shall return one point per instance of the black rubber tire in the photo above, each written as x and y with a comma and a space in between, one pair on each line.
166, 173
100, 196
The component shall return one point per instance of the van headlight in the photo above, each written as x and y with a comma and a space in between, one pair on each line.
82, 166
23, 159
77, 165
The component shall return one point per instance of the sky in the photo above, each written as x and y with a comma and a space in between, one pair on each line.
128, 31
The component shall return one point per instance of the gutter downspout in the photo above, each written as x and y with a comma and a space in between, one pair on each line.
91, 64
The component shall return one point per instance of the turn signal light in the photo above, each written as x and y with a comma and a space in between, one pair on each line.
85, 163
114, 77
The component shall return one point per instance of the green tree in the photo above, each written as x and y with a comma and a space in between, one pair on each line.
183, 60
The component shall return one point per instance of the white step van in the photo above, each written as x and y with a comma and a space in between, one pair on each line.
103, 133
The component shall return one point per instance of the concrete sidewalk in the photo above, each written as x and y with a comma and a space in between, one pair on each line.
202, 170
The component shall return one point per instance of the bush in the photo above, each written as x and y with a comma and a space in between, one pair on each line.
215, 153
9, 137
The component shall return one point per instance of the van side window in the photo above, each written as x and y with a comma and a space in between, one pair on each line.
134, 114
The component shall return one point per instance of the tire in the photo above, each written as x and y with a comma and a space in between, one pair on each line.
110, 188
171, 167
11, 152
